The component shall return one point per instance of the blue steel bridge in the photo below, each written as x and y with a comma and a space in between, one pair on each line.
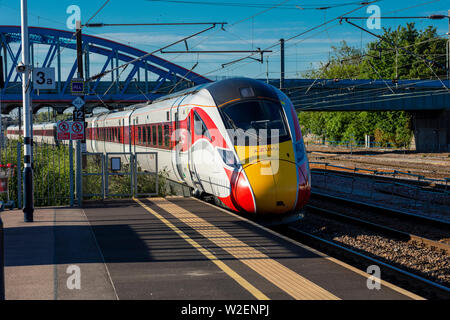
153, 77
135, 87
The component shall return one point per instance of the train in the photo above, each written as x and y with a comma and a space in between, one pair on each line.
238, 140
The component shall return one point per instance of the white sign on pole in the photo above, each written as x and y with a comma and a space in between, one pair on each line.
78, 102
44, 78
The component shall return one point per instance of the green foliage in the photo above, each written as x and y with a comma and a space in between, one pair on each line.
381, 59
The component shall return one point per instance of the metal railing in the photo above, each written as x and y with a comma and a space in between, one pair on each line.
52, 171
375, 186
355, 144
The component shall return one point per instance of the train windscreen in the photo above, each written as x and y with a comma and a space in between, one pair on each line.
257, 116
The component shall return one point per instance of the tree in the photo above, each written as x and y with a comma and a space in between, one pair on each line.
405, 53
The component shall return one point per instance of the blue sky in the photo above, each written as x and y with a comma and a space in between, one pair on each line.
250, 26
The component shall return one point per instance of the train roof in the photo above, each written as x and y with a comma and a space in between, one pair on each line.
222, 91
240, 88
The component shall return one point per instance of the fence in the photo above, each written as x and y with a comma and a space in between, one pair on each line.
62, 176
118, 174
356, 144
374, 185
52, 173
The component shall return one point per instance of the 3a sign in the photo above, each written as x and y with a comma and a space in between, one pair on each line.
77, 87
63, 130
44, 78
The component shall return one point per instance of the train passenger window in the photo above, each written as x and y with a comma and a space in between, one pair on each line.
139, 134
149, 135
154, 135
160, 136
166, 135
144, 135
118, 135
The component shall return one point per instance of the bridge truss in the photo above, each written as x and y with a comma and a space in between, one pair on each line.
134, 87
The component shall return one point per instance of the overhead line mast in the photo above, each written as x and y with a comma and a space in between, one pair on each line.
25, 69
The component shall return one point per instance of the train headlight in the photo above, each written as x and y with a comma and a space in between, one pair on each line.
228, 158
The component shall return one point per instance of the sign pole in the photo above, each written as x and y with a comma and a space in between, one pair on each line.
28, 208
2, 84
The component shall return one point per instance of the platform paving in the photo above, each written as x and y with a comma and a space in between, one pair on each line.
173, 248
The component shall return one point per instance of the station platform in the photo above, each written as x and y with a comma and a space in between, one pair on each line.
169, 248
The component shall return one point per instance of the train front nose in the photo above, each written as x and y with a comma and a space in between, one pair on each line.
274, 186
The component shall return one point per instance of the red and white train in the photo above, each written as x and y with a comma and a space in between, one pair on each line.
212, 138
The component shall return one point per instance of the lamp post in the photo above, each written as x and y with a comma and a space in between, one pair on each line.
25, 69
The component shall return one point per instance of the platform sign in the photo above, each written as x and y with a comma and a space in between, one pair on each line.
77, 130
63, 130
43, 78
77, 87
78, 115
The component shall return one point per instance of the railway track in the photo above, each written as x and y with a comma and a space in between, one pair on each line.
390, 270
427, 232
400, 235
404, 279
386, 212
434, 172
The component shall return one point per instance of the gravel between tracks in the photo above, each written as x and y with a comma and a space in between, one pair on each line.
408, 255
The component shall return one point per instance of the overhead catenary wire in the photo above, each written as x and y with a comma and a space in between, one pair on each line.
250, 61
301, 33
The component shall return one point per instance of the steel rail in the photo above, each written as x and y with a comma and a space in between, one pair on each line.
384, 210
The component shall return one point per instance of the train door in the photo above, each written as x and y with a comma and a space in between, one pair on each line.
178, 145
192, 160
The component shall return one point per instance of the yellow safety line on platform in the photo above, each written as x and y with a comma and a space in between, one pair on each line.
230, 272
284, 278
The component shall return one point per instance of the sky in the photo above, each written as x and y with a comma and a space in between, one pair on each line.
250, 25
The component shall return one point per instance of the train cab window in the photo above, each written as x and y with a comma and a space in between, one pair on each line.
200, 127
154, 135
256, 116
160, 136
166, 135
